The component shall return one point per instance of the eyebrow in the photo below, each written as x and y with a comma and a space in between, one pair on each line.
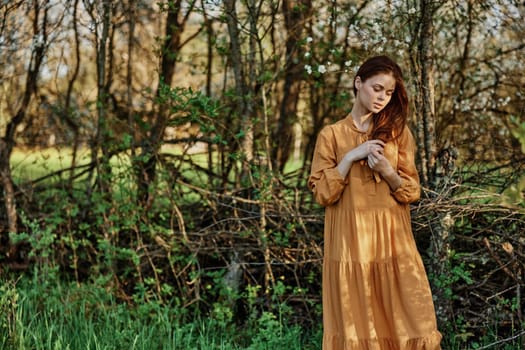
382, 86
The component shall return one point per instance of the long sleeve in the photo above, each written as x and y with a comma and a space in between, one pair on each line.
325, 181
410, 189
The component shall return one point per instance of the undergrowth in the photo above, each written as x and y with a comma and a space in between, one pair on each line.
60, 315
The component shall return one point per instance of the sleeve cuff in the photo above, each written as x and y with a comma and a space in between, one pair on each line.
335, 175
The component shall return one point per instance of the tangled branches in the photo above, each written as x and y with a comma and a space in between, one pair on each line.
481, 270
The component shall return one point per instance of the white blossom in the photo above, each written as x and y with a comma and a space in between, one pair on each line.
308, 68
412, 11
348, 63
307, 54
504, 102
309, 39
321, 69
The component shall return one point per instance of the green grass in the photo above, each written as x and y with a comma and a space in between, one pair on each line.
28, 165
39, 314
31, 164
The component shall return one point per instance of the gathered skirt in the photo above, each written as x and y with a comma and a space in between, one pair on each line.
376, 293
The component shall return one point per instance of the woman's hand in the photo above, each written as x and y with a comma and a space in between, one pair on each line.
378, 162
366, 148
360, 152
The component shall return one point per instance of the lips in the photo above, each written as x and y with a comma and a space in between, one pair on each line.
378, 106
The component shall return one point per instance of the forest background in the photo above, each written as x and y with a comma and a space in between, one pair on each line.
159, 150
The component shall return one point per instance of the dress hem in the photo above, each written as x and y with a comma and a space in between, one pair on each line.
337, 342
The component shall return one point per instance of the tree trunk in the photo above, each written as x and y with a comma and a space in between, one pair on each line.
146, 163
129, 75
8, 142
102, 164
242, 92
427, 97
67, 105
439, 267
9, 192
210, 40
295, 15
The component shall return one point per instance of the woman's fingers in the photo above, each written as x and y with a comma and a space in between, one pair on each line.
372, 160
376, 151
367, 148
376, 145
377, 161
378, 142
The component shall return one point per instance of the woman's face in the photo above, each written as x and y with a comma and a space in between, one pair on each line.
375, 92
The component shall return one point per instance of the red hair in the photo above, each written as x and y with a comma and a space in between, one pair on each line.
390, 122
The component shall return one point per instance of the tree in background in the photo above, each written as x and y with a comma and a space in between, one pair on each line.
178, 12
38, 40
296, 14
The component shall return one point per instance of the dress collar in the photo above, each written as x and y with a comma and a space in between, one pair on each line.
350, 122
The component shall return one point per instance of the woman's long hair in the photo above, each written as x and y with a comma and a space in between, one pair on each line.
390, 122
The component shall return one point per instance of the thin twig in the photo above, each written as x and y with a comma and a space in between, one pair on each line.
502, 341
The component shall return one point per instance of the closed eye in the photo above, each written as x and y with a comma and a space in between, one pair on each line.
379, 88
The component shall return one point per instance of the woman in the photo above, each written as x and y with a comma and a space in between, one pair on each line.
376, 293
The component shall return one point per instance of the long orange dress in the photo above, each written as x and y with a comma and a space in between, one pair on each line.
376, 293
